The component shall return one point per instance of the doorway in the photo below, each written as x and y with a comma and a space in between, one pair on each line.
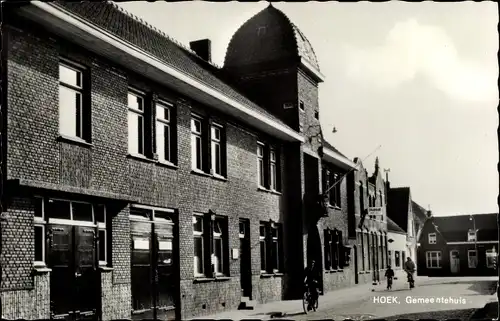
454, 262
74, 288
245, 259
154, 267
356, 268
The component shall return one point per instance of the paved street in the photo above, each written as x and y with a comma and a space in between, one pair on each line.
437, 298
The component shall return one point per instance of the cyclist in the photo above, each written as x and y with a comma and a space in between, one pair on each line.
311, 283
410, 270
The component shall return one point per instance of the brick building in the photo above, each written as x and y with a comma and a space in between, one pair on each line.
140, 179
459, 245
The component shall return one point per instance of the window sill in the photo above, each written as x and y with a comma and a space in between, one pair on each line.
105, 269
167, 164
335, 207
214, 279
267, 190
213, 176
74, 140
219, 177
40, 269
266, 275
141, 157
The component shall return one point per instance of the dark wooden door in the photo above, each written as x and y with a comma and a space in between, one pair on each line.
74, 288
141, 275
245, 260
166, 280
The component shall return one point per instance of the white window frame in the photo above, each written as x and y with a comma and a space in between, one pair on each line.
432, 238
275, 242
263, 239
195, 136
79, 90
101, 226
490, 254
216, 142
273, 170
473, 234
469, 256
164, 123
429, 256
261, 177
136, 112
40, 222
200, 235
218, 236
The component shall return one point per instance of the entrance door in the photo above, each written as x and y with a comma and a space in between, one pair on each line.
245, 260
454, 262
153, 266
74, 289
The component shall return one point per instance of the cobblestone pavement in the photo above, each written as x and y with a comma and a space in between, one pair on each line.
360, 302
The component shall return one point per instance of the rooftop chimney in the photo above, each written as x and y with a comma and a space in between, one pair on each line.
429, 213
203, 48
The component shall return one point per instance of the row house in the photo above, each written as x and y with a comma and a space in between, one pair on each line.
400, 210
142, 181
459, 245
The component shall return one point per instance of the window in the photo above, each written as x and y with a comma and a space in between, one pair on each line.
403, 254
316, 114
196, 144
273, 170
397, 261
332, 181
363, 250
389, 258
268, 167
73, 121
208, 147
54, 211
271, 251
361, 198
472, 259
433, 259
491, 258
211, 253
432, 238
136, 124
164, 135
216, 150
334, 258
301, 105
471, 236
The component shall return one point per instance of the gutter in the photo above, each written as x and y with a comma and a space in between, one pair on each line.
153, 61
337, 159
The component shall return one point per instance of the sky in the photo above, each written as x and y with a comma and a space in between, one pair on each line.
419, 79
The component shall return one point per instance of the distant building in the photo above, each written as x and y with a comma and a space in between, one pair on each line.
458, 245
419, 216
400, 210
397, 248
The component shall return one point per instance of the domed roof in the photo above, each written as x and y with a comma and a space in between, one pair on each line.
268, 36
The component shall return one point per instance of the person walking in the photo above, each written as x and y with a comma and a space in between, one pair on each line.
409, 267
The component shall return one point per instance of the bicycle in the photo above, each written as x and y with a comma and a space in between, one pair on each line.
411, 280
309, 301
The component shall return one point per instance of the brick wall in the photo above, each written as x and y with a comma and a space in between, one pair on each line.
35, 153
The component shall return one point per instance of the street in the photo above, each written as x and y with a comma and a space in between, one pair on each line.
456, 300
432, 298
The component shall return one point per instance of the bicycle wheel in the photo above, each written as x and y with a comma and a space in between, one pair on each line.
305, 302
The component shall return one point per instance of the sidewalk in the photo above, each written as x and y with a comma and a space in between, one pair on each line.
345, 295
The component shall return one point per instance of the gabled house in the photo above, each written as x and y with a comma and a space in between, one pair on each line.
458, 245
396, 254
400, 210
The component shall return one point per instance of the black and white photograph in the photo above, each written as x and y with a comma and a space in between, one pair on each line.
263, 160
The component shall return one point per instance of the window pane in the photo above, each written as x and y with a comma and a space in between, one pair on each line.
102, 245
274, 255
217, 160
39, 242
99, 213
262, 231
38, 207
261, 172
82, 211
262, 256
166, 142
242, 228
198, 255
162, 112
70, 76
135, 133
135, 102
215, 133
195, 126
198, 153
69, 100
217, 228
58, 209
273, 176
197, 224
218, 264
78, 116
163, 141
260, 150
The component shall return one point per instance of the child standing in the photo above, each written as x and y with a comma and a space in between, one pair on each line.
389, 274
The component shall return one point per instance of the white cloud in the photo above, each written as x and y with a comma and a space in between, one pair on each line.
412, 48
